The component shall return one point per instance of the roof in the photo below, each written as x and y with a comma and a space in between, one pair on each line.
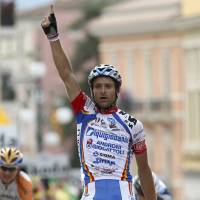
137, 16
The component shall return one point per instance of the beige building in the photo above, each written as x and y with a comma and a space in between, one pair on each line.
155, 44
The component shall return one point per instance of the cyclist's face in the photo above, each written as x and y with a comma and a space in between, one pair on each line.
104, 91
8, 174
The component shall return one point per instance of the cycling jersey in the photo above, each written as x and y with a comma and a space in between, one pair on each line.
106, 144
19, 189
161, 189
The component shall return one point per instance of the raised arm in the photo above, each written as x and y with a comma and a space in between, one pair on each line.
61, 61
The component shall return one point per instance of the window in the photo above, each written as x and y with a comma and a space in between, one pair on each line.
7, 12
7, 89
193, 117
166, 65
148, 72
193, 100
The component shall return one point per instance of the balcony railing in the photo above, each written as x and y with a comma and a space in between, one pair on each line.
150, 110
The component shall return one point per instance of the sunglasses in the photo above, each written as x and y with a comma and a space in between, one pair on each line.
10, 169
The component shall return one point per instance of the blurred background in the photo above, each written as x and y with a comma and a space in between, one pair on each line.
156, 47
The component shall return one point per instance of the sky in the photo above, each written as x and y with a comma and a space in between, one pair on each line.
29, 4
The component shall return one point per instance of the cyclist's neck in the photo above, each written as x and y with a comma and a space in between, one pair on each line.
109, 110
6, 184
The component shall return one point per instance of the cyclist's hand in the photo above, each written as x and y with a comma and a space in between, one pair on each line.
49, 25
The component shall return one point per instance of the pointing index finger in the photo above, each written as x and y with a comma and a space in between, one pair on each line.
51, 9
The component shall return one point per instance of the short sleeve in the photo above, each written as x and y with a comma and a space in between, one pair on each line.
79, 102
139, 145
83, 103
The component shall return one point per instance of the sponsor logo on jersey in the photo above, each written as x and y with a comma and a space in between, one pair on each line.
107, 171
103, 161
104, 155
112, 123
106, 136
104, 170
107, 147
89, 143
98, 122
139, 147
129, 120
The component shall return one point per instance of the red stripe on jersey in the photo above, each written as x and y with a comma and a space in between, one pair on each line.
139, 147
79, 102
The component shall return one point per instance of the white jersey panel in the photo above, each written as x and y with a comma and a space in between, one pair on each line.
9, 192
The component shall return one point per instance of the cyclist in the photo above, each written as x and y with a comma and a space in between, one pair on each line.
162, 191
14, 183
107, 136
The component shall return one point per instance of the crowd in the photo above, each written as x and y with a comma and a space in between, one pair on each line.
55, 190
